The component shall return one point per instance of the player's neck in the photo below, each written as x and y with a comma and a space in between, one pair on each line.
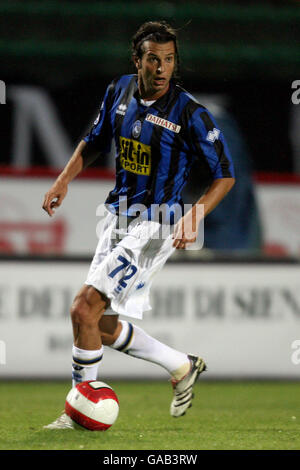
150, 95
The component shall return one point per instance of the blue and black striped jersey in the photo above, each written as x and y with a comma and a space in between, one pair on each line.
157, 145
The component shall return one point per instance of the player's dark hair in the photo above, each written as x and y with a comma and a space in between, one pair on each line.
156, 31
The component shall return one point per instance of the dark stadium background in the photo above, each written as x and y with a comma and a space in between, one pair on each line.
247, 50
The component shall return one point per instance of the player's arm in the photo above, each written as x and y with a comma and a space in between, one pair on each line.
206, 142
97, 142
214, 195
83, 156
186, 229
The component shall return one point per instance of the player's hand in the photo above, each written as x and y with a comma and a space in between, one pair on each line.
186, 229
54, 197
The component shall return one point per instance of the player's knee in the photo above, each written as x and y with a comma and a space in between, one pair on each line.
81, 312
86, 313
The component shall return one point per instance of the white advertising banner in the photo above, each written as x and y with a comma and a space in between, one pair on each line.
244, 319
279, 206
25, 228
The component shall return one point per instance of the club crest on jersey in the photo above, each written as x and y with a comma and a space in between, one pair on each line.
163, 122
136, 129
135, 156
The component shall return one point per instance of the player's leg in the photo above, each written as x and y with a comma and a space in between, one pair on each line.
184, 369
152, 252
86, 311
126, 337
110, 328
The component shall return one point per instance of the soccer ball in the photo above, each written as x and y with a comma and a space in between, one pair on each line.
93, 405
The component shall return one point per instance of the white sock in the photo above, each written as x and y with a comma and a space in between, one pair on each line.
85, 364
137, 343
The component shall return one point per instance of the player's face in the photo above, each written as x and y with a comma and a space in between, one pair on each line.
155, 69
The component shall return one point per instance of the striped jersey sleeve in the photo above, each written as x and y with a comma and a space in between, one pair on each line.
207, 142
100, 136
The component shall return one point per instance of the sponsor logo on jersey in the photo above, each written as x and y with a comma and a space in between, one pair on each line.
163, 123
121, 109
135, 156
213, 135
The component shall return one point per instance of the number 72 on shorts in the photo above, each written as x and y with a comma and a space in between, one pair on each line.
124, 264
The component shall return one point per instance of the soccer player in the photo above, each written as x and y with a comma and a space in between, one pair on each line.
159, 131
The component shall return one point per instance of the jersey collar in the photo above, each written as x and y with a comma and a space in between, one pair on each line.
162, 102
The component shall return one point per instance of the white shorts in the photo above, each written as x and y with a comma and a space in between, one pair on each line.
125, 263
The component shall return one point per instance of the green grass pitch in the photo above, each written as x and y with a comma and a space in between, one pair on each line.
224, 416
